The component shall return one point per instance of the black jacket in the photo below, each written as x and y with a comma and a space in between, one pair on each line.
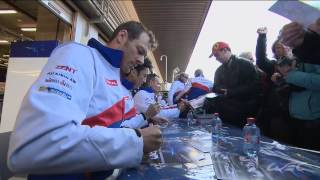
265, 64
309, 51
239, 77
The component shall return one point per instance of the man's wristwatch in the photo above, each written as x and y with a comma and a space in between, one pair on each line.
144, 116
149, 120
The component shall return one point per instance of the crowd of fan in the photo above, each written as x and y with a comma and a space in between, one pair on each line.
283, 93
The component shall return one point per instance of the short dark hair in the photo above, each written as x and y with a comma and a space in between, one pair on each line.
135, 29
150, 78
198, 73
146, 65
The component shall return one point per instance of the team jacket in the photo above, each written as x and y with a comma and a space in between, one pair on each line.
125, 108
79, 84
198, 86
175, 89
145, 97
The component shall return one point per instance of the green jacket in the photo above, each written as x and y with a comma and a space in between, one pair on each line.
305, 104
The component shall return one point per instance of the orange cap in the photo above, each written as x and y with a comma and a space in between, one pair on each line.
218, 46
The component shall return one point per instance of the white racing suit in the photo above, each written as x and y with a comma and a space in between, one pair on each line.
78, 84
145, 97
198, 86
175, 89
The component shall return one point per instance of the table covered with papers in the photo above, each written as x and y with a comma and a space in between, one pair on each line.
188, 152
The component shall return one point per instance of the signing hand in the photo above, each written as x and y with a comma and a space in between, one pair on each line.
158, 120
152, 110
152, 138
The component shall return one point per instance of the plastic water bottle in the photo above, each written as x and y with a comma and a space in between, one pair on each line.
190, 118
216, 127
251, 138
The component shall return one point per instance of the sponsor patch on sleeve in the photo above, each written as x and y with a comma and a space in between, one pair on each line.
59, 82
70, 78
66, 68
55, 91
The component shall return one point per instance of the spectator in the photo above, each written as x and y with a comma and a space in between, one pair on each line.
262, 75
237, 83
247, 55
304, 80
48, 136
304, 104
176, 87
305, 44
279, 50
273, 116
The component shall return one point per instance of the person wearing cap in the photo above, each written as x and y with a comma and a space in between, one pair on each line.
237, 83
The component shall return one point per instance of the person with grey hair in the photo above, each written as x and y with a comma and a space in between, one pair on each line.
176, 87
247, 55
197, 86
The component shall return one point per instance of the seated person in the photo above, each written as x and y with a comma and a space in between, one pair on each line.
130, 118
138, 75
48, 137
148, 95
176, 87
198, 86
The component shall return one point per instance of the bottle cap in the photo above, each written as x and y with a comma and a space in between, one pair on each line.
251, 120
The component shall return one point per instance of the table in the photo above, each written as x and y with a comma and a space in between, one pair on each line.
188, 152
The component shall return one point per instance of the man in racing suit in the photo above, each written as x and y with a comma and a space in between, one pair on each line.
197, 86
148, 95
80, 83
176, 87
